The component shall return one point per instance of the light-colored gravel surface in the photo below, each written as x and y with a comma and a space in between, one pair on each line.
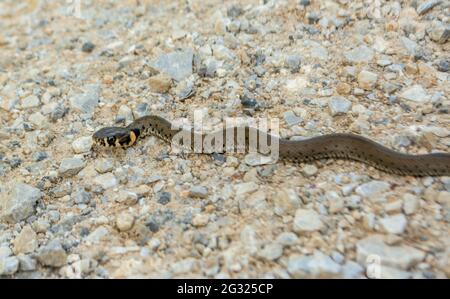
376, 68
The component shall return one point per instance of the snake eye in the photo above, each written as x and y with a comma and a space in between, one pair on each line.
111, 141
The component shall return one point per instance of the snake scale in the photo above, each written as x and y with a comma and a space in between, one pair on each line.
330, 146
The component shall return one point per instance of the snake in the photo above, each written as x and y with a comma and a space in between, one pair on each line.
346, 146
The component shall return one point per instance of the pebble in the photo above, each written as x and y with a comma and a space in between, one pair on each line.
31, 101
359, 54
402, 257
177, 64
160, 83
97, 235
200, 220
291, 119
87, 101
287, 239
124, 221
71, 166
286, 202
411, 47
198, 191
439, 32
19, 202
106, 181
414, 93
82, 144
307, 221
410, 204
309, 170
257, 159
395, 224
52, 254
244, 188
367, 80
352, 270
27, 263
317, 265
104, 165
271, 251
26, 241
81, 196
185, 88
5, 252
9, 265
372, 189
87, 47
164, 197
293, 63
339, 105
125, 114
427, 6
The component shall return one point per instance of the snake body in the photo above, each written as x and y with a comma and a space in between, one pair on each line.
330, 146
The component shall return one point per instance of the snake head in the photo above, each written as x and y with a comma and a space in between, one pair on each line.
117, 137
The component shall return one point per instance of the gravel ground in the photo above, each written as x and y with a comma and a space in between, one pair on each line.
375, 68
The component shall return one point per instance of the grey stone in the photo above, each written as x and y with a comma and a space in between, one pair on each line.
352, 270
87, 101
82, 144
71, 166
402, 257
185, 88
198, 191
106, 181
5, 251
52, 254
439, 32
177, 64
287, 239
395, 224
26, 263
359, 54
87, 47
427, 6
164, 197
81, 196
339, 105
104, 165
410, 46
414, 93
31, 101
9, 265
97, 235
19, 202
317, 265
293, 62
373, 188
307, 221
410, 203
271, 252
291, 119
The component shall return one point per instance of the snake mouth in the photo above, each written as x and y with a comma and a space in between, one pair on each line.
115, 137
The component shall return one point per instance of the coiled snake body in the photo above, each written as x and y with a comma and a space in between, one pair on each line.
330, 146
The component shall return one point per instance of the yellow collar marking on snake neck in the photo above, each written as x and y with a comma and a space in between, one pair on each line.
132, 138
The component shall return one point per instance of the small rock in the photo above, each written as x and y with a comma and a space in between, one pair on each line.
52, 254
352, 270
410, 203
200, 220
439, 32
26, 263
106, 181
293, 63
82, 144
125, 114
402, 257
367, 80
81, 196
318, 265
185, 88
164, 197
87, 101
160, 83
9, 265
307, 221
373, 188
97, 235
415, 93
339, 105
257, 159
359, 54
427, 6
198, 191
309, 170
19, 202
177, 64
271, 251
395, 224
286, 201
31, 101
291, 119
87, 47
410, 46
124, 221
26, 241
71, 166
247, 187
104, 165
287, 239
